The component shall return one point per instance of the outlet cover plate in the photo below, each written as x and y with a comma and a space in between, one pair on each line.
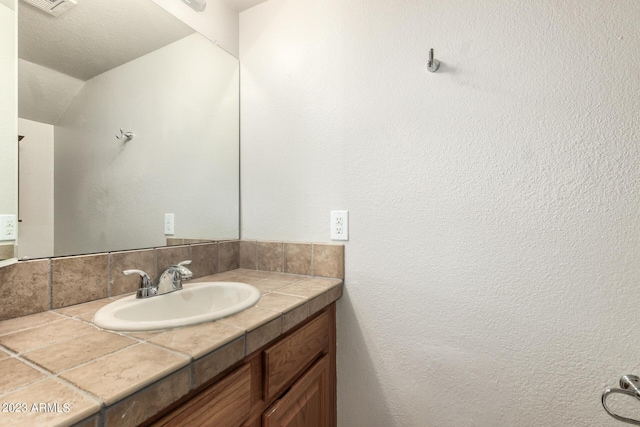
339, 225
168, 224
8, 227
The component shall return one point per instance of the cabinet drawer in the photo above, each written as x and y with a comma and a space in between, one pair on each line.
226, 403
284, 361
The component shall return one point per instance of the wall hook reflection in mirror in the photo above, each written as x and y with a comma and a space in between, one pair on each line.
433, 64
127, 136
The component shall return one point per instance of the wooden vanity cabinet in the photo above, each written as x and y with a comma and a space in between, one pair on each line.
291, 382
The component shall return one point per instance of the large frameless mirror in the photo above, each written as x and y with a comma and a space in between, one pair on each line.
8, 132
87, 186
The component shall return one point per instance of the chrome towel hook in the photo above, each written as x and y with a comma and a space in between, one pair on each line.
629, 385
433, 64
127, 136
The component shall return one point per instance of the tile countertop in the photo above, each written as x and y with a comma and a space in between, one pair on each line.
59, 369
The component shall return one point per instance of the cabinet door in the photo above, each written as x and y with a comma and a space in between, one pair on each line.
306, 403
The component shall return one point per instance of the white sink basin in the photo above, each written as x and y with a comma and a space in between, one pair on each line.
195, 303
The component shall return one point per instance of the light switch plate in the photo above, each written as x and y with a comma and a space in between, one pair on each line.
168, 224
339, 225
8, 227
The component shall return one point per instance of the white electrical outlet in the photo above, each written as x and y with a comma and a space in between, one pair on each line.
168, 224
8, 227
339, 225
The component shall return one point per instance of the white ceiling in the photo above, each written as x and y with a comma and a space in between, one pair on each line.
44, 94
119, 30
57, 54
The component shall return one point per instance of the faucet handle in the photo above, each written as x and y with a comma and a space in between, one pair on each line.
145, 280
184, 272
146, 288
180, 273
171, 278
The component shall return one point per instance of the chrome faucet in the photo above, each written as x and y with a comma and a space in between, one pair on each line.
170, 280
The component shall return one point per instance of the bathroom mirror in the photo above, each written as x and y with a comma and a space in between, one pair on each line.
8, 131
131, 130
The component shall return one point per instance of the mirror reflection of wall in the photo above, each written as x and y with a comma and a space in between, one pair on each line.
8, 131
81, 189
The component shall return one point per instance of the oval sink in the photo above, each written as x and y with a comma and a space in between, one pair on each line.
195, 303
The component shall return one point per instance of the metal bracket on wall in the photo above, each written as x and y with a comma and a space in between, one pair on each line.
433, 64
127, 136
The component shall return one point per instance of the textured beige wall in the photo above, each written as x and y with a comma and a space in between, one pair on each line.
492, 272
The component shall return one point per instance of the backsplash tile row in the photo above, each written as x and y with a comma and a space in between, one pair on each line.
7, 251
79, 279
316, 259
29, 287
25, 288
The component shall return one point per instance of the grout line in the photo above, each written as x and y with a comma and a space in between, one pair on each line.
124, 334
284, 260
254, 248
257, 258
217, 257
41, 380
281, 257
245, 345
49, 375
192, 375
50, 284
109, 274
101, 417
312, 267
88, 362
26, 328
170, 350
51, 343
85, 393
155, 264
216, 266
54, 377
